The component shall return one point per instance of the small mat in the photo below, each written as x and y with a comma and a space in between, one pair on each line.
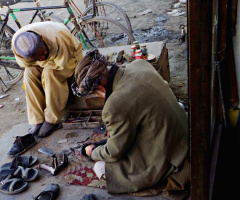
80, 168
80, 171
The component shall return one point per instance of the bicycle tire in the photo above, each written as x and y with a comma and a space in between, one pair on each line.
110, 10
10, 71
122, 34
6, 37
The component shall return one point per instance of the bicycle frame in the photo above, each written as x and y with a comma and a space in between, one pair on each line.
76, 17
37, 11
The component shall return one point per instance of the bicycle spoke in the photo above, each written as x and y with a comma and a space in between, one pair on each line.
103, 32
10, 72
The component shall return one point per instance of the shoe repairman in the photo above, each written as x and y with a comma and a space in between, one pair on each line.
148, 140
49, 54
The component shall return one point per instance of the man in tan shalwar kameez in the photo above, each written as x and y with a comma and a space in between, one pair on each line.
49, 53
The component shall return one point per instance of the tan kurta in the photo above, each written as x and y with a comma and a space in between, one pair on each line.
148, 130
46, 81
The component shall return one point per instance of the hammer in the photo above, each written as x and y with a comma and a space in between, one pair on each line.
55, 166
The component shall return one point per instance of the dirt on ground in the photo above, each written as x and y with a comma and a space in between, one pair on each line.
152, 20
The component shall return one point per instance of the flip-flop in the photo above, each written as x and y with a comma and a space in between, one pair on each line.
49, 193
26, 174
12, 185
24, 161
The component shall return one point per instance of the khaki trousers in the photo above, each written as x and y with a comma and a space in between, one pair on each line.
46, 93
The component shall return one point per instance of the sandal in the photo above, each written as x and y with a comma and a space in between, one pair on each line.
49, 193
12, 185
24, 161
27, 174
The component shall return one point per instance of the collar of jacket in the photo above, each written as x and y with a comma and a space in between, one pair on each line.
117, 77
110, 79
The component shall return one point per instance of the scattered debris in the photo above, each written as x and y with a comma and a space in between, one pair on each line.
183, 34
181, 3
116, 38
62, 141
161, 19
17, 99
4, 95
176, 12
173, 11
145, 12
1, 106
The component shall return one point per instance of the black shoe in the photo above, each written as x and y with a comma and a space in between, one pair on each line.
47, 128
35, 128
89, 197
50, 192
22, 144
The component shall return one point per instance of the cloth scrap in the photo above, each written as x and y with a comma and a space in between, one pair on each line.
145, 12
4, 95
99, 169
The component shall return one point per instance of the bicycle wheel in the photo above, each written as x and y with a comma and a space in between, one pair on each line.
102, 31
6, 37
10, 72
112, 11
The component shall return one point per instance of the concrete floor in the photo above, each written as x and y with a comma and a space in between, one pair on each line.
67, 191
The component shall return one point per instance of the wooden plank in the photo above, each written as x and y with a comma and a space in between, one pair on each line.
200, 40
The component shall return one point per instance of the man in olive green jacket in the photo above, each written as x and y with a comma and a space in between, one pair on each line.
148, 131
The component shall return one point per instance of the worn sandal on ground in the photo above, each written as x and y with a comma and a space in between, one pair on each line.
11, 185
24, 161
49, 193
27, 174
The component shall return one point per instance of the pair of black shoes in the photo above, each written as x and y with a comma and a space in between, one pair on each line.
44, 129
23, 143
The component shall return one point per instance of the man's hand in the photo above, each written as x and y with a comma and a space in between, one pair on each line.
89, 149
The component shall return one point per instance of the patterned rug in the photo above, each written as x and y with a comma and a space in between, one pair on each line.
80, 171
